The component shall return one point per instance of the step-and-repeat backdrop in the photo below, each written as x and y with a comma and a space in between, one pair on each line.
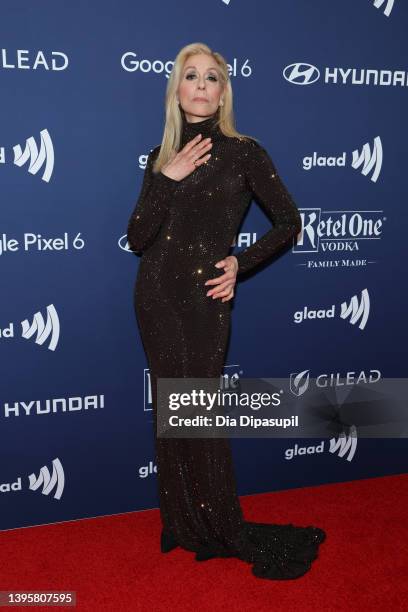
324, 87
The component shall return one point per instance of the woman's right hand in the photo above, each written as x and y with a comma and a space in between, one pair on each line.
182, 163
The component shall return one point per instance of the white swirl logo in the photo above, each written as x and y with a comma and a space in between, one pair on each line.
37, 158
369, 160
389, 4
49, 481
357, 311
44, 330
345, 444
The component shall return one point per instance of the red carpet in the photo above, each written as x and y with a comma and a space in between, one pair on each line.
114, 563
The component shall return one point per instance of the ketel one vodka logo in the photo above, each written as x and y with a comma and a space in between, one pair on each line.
387, 4
367, 161
354, 311
47, 483
228, 379
38, 159
337, 231
44, 330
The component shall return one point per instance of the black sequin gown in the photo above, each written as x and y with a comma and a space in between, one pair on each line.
182, 228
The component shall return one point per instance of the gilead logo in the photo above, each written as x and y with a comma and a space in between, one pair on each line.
301, 381
24, 59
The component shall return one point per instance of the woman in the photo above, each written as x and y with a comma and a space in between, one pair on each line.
197, 186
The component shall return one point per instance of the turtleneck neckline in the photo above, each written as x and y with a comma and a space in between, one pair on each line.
206, 127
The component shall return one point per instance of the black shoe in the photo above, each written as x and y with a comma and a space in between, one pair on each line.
167, 542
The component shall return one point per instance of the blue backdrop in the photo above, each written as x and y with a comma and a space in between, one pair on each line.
324, 88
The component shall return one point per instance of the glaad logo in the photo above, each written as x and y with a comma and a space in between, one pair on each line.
49, 482
302, 73
357, 311
49, 329
368, 159
300, 381
337, 230
44, 330
147, 470
388, 6
371, 161
343, 444
43, 157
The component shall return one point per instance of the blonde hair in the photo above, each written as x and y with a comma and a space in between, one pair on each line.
173, 126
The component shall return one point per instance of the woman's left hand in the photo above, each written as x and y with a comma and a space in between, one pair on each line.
226, 282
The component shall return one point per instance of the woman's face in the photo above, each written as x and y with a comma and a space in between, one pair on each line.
200, 87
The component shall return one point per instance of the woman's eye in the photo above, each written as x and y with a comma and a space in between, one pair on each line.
210, 76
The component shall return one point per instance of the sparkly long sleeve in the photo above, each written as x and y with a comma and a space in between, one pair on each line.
270, 192
151, 208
